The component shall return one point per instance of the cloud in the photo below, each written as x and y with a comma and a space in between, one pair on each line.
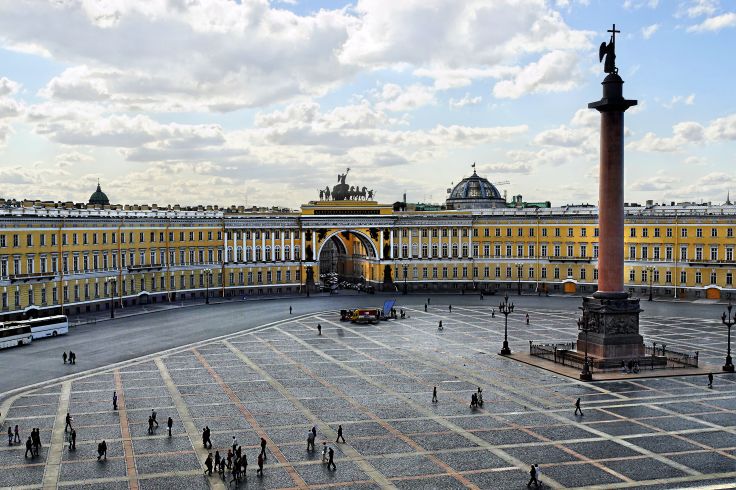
8, 87
506, 167
697, 8
682, 134
554, 72
677, 99
466, 100
648, 31
715, 24
693, 160
656, 183
395, 98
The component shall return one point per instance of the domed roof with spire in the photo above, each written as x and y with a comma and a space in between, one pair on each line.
475, 192
99, 197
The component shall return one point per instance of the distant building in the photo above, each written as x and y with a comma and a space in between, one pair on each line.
98, 197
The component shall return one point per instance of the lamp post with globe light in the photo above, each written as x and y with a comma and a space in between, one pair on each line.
207, 273
506, 308
728, 320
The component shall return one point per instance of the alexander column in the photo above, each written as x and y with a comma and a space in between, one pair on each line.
611, 318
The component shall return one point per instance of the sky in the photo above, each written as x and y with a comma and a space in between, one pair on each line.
258, 102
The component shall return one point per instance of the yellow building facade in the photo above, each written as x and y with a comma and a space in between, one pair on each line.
74, 257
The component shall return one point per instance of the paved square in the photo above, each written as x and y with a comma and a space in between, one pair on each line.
376, 381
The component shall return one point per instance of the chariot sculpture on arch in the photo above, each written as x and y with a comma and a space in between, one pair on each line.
343, 192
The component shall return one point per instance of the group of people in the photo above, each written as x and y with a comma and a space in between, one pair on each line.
236, 460
71, 357
33, 444
476, 399
13, 437
629, 367
328, 454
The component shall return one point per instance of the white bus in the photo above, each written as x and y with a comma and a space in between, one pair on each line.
49, 326
15, 335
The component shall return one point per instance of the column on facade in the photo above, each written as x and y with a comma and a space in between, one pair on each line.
391, 244
245, 259
253, 244
470, 241
283, 244
291, 249
225, 257
304, 245
401, 243
429, 243
263, 245
314, 245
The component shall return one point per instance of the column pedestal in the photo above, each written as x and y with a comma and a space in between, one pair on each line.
614, 329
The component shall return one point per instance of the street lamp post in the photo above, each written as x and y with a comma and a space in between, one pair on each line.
584, 326
518, 276
207, 273
650, 272
111, 281
406, 270
728, 320
506, 308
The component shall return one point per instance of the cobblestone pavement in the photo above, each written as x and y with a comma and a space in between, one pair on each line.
376, 381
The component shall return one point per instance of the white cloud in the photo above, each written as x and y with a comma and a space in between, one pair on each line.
678, 99
466, 100
395, 98
506, 168
693, 160
8, 87
554, 72
722, 128
648, 31
696, 8
659, 182
715, 24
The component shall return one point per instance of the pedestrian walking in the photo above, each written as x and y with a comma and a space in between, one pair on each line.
434, 395
229, 459
16, 438
234, 444
153, 416
102, 450
221, 469
425, 307
289, 309
493, 313
339, 434
310, 441
208, 464
263, 447
243, 463
114, 400
260, 465
217, 460
527, 318
577, 408
29, 447
331, 459
533, 477
73, 440
319, 329
710, 380
439, 326
236, 471
10, 436
170, 424
450, 308
429, 301
68, 420
150, 424
314, 430
539, 474
72, 357
63, 356
324, 452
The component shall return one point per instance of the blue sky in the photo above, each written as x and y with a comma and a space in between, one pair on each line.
222, 102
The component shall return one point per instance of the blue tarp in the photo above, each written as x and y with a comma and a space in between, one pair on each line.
387, 305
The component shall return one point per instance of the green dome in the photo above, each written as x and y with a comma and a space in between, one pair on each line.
99, 197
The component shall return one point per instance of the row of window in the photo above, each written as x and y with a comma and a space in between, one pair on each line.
655, 276
656, 253
683, 232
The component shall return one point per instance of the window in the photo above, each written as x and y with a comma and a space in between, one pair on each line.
544, 232
29, 240
683, 253
557, 251
508, 231
683, 277
632, 232
698, 277
569, 232
531, 250
656, 253
557, 232
531, 232
531, 273
570, 251
632, 252
557, 273
713, 278
583, 250
632, 275
498, 272
698, 253
729, 254
713, 253
714, 232
543, 273
699, 232
644, 274
508, 250
595, 274
683, 232
729, 232
596, 232
583, 232
520, 232
508, 272
498, 231
669, 232
645, 232
543, 250
520, 250
582, 273
668, 277
668, 253
644, 252
656, 233
595, 251
569, 272
729, 279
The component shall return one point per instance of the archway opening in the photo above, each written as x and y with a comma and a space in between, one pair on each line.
346, 257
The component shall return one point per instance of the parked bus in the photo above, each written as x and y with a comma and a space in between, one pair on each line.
49, 326
15, 335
